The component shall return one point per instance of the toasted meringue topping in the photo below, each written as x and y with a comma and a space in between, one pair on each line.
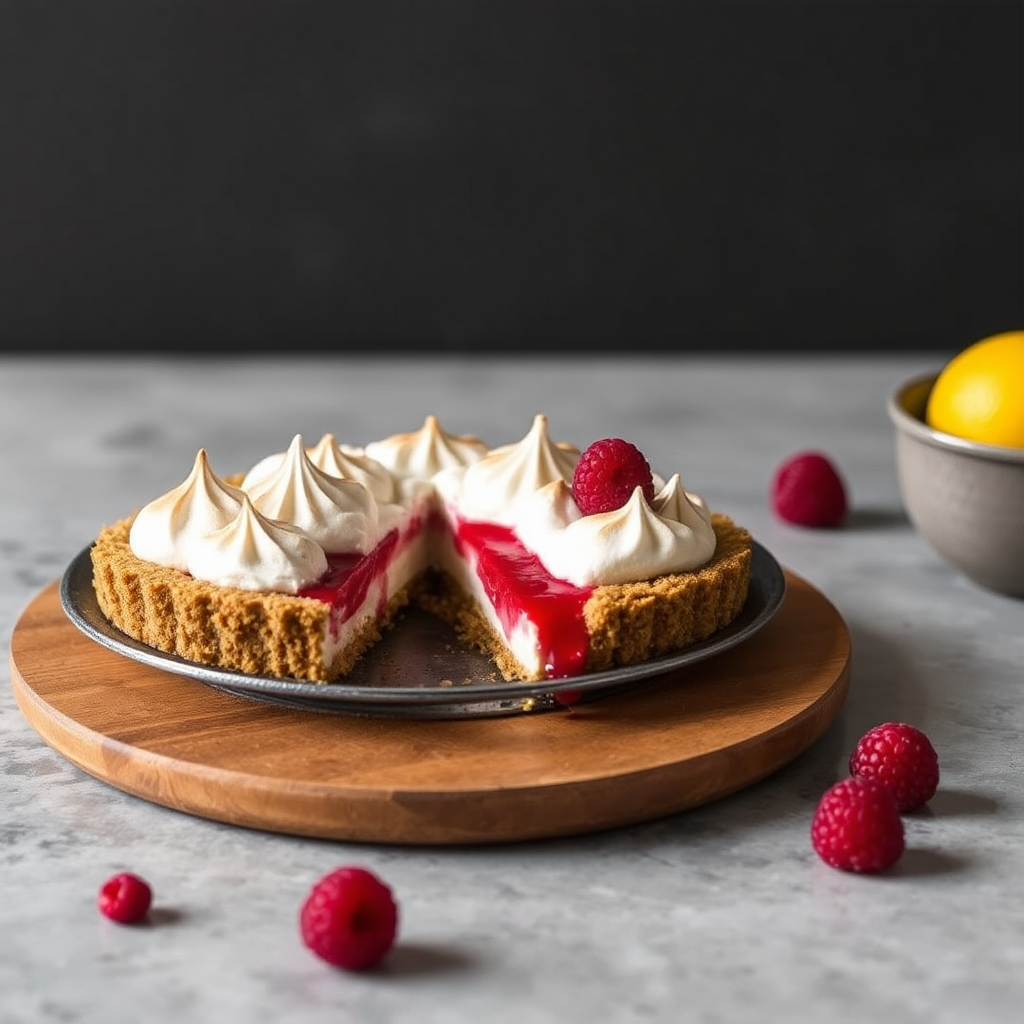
423, 453
253, 552
342, 461
626, 545
303, 502
340, 515
674, 502
492, 487
163, 529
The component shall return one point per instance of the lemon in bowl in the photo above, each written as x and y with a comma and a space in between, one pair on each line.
960, 460
979, 395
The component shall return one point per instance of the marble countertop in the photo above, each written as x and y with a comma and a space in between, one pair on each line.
723, 913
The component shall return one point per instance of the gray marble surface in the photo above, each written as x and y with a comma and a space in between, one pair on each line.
719, 914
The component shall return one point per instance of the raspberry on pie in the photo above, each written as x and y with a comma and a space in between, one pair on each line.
607, 474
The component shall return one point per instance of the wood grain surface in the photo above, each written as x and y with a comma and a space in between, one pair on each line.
671, 744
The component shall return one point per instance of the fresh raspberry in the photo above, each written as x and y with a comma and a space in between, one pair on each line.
607, 474
807, 490
125, 898
349, 918
857, 827
903, 758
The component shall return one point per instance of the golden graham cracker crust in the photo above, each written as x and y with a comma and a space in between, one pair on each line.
269, 634
633, 622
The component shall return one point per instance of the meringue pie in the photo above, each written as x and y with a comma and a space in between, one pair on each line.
294, 568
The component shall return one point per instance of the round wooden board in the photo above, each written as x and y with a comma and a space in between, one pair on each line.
665, 746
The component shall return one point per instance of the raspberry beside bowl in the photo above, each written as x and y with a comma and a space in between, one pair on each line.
966, 499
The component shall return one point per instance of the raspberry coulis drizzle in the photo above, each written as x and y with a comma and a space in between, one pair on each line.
348, 579
516, 582
513, 577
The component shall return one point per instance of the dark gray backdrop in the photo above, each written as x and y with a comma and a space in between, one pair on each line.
530, 175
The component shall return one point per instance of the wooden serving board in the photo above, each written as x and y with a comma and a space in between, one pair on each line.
667, 745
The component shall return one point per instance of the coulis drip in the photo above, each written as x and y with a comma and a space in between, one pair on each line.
516, 580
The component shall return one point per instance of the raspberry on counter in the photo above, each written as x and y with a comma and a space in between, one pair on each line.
807, 490
857, 827
125, 898
901, 757
349, 918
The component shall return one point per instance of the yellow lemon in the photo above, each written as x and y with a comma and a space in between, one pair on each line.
979, 394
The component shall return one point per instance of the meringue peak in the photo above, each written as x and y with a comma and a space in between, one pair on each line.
426, 452
673, 501
336, 460
201, 502
341, 515
255, 552
630, 543
492, 487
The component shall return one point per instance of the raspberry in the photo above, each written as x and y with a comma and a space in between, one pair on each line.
901, 757
125, 898
857, 827
607, 474
807, 490
349, 918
